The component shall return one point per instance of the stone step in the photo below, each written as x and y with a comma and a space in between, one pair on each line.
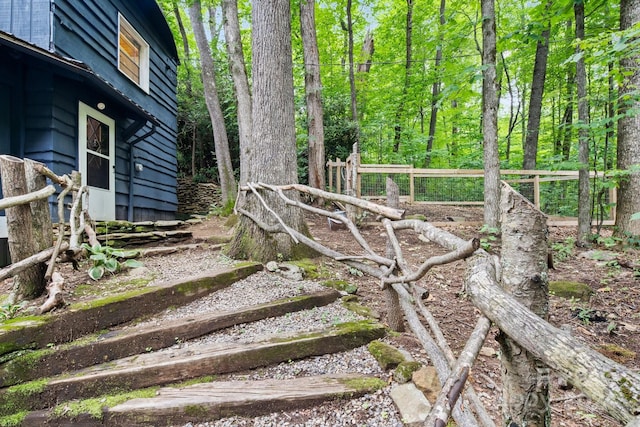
193, 361
85, 318
134, 340
215, 400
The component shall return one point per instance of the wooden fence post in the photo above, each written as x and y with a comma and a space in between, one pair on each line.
525, 379
29, 283
40, 212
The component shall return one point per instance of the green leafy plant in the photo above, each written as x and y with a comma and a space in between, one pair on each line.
563, 250
490, 236
107, 259
9, 311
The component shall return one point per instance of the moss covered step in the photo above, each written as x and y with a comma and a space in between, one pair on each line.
88, 317
192, 361
215, 400
134, 340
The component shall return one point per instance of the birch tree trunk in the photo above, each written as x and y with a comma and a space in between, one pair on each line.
221, 141
240, 82
313, 92
525, 380
490, 116
28, 284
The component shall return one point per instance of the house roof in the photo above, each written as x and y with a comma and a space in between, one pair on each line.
77, 67
152, 11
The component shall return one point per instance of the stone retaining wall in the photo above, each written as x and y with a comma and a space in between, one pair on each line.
196, 198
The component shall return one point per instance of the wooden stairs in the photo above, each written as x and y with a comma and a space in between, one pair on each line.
135, 375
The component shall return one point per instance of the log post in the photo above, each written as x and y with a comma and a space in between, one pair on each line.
30, 282
392, 303
40, 212
525, 380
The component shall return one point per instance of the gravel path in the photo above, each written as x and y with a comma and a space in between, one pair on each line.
375, 410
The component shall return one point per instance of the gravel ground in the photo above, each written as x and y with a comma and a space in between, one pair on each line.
375, 410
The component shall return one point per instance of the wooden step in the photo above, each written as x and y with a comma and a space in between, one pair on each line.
217, 400
84, 318
195, 360
127, 342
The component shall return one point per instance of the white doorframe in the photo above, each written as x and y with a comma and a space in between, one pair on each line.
96, 161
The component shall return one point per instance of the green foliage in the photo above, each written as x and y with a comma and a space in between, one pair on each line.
563, 250
107, 259
490, 236
9, 311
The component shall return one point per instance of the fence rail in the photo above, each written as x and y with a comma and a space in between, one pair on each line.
553, 192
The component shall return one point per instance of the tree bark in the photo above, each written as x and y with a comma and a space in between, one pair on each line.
273, 159
240, 82
221, 141
408, 45
435, 89
313, 92
28, 284
584, 196
392, 303
629, 130
490, 117
352, 78
525, 380
40, 212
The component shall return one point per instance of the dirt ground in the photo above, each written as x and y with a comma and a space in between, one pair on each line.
610, 317
609, 321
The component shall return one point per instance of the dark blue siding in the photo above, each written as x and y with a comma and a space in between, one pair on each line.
27, 19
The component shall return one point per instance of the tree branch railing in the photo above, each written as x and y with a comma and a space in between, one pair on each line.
614, 386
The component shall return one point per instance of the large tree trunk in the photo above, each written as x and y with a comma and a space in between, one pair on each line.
221, 141
28, 284
240, 82
273, 157
584, 196
629, 130
490, 117
352, 78
313, 92
392, 303
435, 89
525, 380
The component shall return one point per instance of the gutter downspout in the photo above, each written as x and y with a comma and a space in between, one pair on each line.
132, 145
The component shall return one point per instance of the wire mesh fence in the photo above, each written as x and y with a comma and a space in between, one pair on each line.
554, 192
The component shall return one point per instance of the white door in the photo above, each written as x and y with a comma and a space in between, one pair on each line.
96, 134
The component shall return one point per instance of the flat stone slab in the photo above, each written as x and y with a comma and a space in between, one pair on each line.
84, 318
122, 343
193, 361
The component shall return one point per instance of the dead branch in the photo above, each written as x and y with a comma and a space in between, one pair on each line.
285, 227
60, 180
371, 207
455, 383
9, 202
634, 422
76, 218
54, 289
17, 267
61, 228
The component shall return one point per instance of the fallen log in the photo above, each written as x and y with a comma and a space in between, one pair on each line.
55, 298
9, 202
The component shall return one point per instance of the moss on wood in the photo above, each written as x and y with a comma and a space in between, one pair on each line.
387, 356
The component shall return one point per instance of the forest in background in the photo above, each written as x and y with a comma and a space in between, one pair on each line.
419, 87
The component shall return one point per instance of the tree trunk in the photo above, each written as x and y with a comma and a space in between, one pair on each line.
629, 130
525, 380
352, 78
313, 92
392, 303
240, 82
490, 117
535, 108
584, 196
435, 89
397, 133
273, 157
221, 141
28, 284
40, 212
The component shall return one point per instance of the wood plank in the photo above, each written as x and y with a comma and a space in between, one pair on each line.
193, 361
124, 343
173, 406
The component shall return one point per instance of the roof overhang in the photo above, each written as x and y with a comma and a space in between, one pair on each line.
79, 69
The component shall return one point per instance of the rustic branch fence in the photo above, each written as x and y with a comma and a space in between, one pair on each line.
489, 284
553, 192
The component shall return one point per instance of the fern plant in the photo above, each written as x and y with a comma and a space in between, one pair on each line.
107, 259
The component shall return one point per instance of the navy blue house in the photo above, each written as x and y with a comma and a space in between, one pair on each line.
90, 85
